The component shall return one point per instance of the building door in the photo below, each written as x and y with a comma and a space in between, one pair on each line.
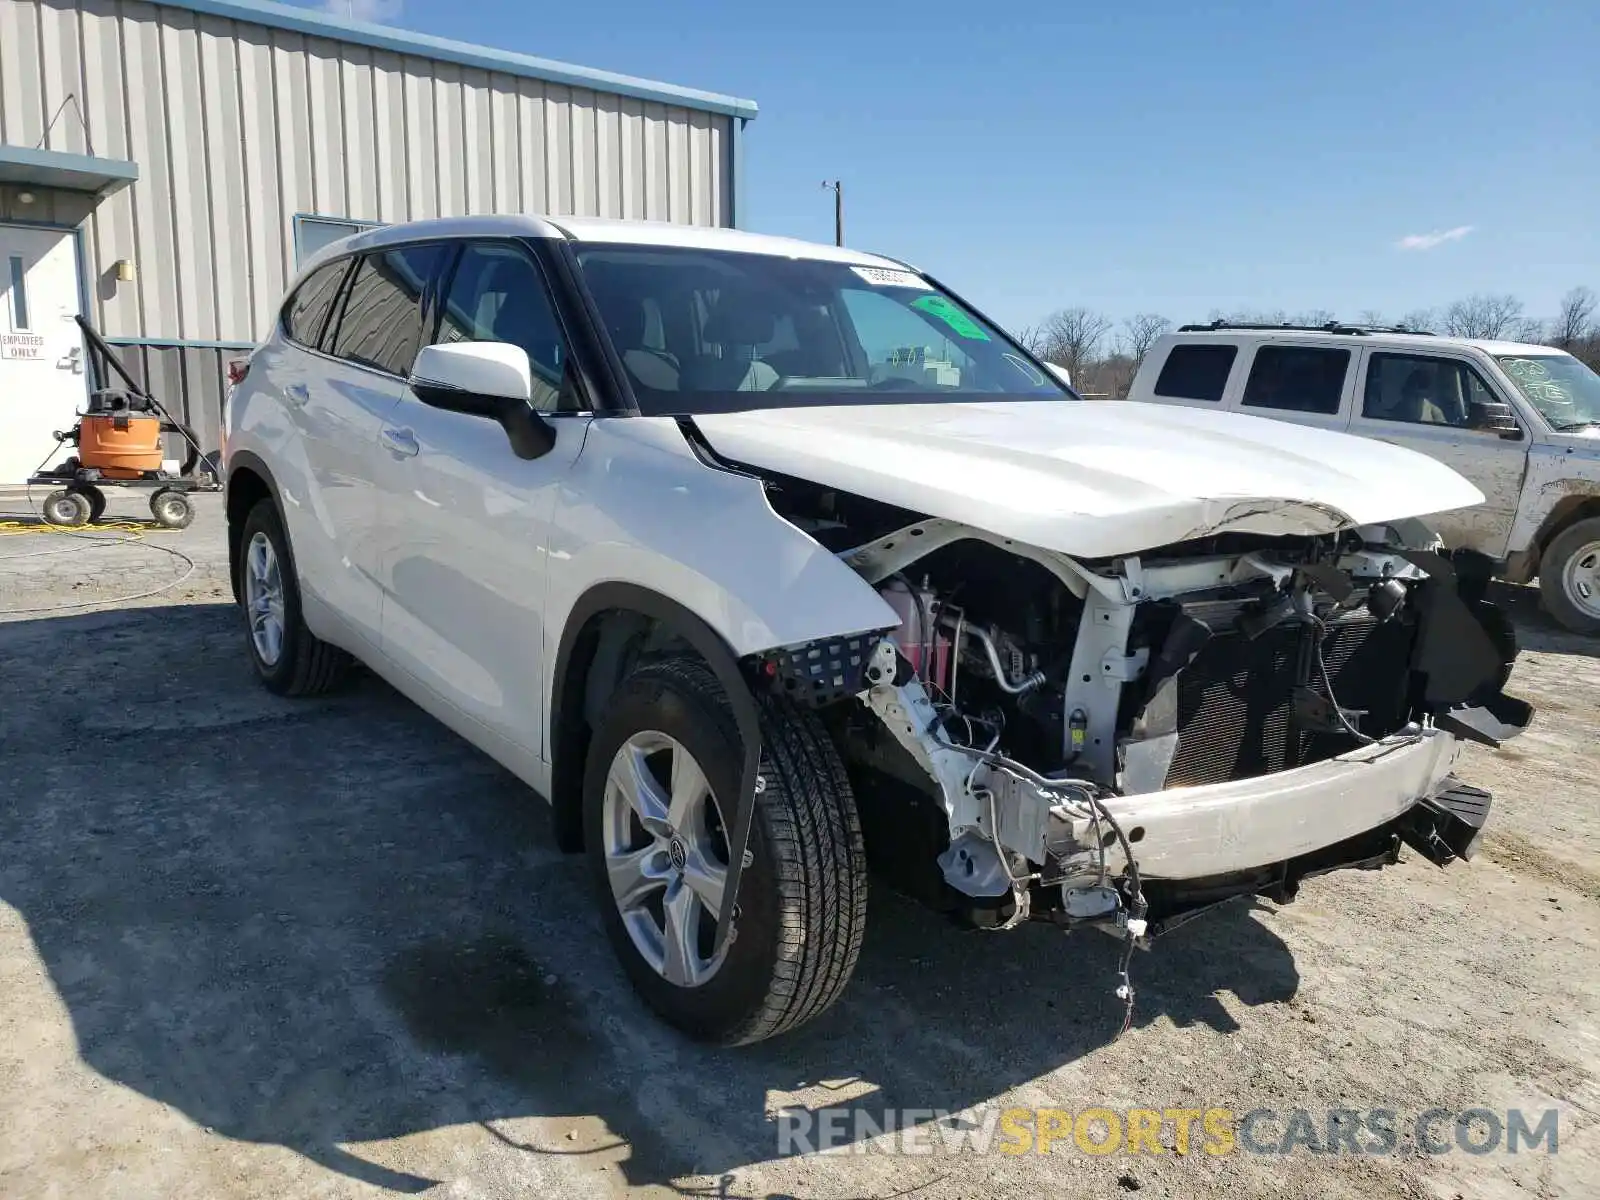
41, 350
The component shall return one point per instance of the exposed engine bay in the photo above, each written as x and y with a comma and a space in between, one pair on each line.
1030, 701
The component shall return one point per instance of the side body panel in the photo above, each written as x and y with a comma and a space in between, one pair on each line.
463, 561
640, 507
315, 422
1495, 464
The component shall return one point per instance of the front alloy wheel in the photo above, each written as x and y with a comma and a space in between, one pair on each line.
664, 769
666, 856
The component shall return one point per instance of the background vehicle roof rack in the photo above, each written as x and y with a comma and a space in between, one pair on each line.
1330, 327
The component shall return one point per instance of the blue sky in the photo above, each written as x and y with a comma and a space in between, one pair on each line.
1167, 157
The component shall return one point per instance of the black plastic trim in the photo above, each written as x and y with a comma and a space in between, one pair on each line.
567, 778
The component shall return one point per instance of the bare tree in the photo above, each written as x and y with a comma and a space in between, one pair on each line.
1371, 317
1418, 320
1139, 333
1314, 316
1072, 337
1032, 339
1575, 324
1484, 317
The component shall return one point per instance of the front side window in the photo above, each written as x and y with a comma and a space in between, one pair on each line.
1564, 390
307, 311
497, 294
701, 331
1302, 379
1420, 389
381, 323
1196, 372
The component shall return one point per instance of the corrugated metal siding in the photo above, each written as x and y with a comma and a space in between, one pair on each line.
237, 126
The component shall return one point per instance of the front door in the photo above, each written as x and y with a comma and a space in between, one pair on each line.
1424, 402
41, 350
465, 520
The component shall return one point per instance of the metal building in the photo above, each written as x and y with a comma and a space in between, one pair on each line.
163, 168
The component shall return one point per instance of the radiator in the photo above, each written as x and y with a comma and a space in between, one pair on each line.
1236, 699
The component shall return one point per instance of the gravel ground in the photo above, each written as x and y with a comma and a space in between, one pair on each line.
255, 947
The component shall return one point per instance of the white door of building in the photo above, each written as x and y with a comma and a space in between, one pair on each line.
41, 349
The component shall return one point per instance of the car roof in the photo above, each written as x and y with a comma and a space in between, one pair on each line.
1374, 337
597, 230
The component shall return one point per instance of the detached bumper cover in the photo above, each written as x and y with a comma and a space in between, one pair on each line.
1198, 832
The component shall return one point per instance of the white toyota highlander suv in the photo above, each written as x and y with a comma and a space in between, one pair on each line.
767, 561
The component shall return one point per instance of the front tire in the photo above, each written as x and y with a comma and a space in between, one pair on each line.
663, 766
1569, 577
288, 657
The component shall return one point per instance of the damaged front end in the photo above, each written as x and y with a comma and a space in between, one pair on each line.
1124, 742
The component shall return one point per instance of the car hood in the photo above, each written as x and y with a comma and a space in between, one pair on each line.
1093, 479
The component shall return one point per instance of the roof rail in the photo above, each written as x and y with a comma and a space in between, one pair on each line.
1330, 327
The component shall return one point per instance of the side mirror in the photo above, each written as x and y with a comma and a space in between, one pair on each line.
485, 379
1060, 372
1491, 416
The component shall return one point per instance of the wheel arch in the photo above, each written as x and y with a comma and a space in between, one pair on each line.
249, 481
593, 654
1566, 512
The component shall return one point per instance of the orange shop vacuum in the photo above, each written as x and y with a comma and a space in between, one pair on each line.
118, 437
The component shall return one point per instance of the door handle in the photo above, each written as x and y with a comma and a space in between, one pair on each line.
297, 394
401, 443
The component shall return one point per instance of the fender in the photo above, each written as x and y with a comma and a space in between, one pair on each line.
251, 462
567, 777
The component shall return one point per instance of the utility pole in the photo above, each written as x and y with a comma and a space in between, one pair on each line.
836, 186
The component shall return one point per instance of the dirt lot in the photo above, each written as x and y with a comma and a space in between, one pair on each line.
253, 947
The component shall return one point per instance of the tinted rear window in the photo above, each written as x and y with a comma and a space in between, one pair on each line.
381, 325
1196, 372
1304, 379
307, 310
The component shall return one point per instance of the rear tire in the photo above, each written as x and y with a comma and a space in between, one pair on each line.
288, 657
1569, 577
803, 896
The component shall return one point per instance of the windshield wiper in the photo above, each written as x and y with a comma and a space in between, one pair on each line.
1570, 426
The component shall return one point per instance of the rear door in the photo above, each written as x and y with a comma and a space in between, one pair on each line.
1305, 383
1421, 401
465, 521
352, 379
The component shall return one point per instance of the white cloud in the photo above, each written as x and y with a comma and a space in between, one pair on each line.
1427, 241
363, 10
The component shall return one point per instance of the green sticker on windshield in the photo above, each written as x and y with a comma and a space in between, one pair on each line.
960, 324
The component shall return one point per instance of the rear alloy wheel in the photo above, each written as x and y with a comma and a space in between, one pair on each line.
1569, 577
288, 657
660, 786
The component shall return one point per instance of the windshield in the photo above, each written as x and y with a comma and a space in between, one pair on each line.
704, 331
1563, 389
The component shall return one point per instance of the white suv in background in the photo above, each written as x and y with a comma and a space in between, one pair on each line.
763, 560
1521, 421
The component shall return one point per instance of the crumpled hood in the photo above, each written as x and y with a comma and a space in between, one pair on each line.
1094, 479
